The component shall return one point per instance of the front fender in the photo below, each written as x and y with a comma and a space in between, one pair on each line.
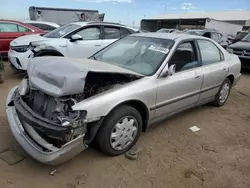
101, 104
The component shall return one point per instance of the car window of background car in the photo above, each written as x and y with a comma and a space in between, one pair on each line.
61, 31
8, 27
138, 54
184, 57
209, 52
214, 36
124, 32
241, 35
23, 29
90, 33
246, 38
111, 33
43, 26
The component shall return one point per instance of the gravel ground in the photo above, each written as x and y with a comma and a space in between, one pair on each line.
172, 156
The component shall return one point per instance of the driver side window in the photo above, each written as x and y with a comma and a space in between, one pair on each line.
184, 57
90, 33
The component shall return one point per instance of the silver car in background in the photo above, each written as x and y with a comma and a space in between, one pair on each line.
64, 104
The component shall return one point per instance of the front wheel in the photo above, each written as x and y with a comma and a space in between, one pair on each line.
119, 131
223, 93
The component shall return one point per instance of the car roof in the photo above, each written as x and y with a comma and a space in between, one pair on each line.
41, 22
170, 36
103, 23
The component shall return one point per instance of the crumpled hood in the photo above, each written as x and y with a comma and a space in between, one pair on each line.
60, 76
25, 40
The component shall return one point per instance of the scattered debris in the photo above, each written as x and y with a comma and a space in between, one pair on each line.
11, 157
242, 93
208, 147
81, 179
190, 173
194, 128
52, 173
133, 153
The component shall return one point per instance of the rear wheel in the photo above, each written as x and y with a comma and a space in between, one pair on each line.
119, 131
223, 93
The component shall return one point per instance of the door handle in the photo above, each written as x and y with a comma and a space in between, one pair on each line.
97, 45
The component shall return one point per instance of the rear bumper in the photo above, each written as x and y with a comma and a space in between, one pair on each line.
35, 145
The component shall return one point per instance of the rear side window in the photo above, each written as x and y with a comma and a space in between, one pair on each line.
23, 29
111, 33
8, 27
124, 32
210, 53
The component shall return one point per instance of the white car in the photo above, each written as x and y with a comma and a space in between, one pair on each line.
78, 39
46, 26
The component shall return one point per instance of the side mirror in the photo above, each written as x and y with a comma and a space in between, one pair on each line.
171, 70
75, 37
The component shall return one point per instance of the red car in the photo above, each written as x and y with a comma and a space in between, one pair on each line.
10, 30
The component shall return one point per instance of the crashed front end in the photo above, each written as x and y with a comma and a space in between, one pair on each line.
51, 139
40, 110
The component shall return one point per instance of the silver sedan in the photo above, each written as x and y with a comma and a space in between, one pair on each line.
65, 104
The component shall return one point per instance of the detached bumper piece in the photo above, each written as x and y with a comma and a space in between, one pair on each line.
28, 129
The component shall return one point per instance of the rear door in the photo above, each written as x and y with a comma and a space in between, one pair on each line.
90, 44
214, 68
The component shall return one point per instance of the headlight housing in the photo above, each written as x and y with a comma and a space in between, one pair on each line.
21, 49
230, 50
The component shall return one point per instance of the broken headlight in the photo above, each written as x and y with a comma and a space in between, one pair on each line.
66, 115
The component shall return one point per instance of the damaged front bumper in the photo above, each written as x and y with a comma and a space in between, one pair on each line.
37, 147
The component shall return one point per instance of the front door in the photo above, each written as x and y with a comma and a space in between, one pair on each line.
181, 90
214, 68
90, 44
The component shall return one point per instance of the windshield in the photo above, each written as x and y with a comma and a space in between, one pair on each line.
246, 38
142, 55
61, 31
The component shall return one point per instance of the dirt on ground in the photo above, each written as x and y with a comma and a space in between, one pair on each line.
172, 156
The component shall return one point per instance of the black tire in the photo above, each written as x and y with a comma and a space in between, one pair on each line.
103, 135
217, 102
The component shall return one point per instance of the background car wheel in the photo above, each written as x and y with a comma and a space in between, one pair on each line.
119, 131
223, 93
